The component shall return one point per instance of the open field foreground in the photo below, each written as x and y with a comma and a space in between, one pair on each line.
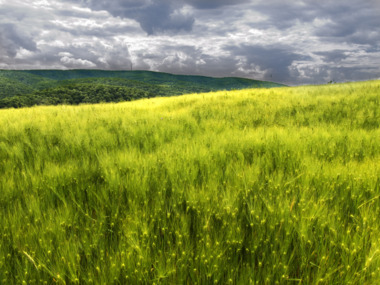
259, 186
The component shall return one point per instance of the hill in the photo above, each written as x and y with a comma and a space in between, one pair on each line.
42, 87
257, 186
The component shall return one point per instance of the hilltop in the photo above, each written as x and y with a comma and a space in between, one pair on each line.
19, 88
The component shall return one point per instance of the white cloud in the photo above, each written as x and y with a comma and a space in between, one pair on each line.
76, 62
65, 54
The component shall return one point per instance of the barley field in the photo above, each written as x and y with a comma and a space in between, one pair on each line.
258, 186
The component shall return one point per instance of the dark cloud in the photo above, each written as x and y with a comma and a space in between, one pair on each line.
11, 40
353, 21
16, 39
358, 24
154, 16
274, 62
212, 4
158, 16
334, 56
285, 14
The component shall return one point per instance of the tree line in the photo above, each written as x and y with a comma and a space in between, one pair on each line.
74, 95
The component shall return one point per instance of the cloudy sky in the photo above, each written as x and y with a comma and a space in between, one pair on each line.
292, 42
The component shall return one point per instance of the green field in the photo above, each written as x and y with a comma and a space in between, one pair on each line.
258, 186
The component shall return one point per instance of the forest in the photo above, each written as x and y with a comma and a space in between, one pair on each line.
25, 88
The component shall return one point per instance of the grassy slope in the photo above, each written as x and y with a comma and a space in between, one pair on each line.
255, 186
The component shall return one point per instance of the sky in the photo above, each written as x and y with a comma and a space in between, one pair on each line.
292, 42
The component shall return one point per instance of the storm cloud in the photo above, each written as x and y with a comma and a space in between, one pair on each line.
297, 42
11, 39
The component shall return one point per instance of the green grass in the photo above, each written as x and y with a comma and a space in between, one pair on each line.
261, 186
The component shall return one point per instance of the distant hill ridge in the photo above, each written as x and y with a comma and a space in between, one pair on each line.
20, 88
